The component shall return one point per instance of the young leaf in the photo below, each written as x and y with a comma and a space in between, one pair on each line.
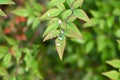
61, 6
60, 43
52, 34
113, 75
66, 14
81, 15
2, 13
53, 20
51, 27
70, 2
78, 3
6, 2
51, 13
114, 63
55, 2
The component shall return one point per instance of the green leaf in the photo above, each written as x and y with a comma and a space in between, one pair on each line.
114, 63
6, 2
28, 59
114, 75
110, 21
66, 14
37, 7
53, 20
78, 3
3, 72
63, 26
71, 18
18, 53
52, 34
89, 24
72, 31
116, 11
96, 14
81, 15
21, 12
101, 43
7, 60
35, 23
117, 33
118, 41
35, 68
3, 51
51, 27
51, 13
60, 43
2, 13
61, 6
53, 3
30, 20
11, 41
89, 46
70, 2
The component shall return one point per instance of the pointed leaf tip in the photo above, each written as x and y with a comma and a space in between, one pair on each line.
60, 43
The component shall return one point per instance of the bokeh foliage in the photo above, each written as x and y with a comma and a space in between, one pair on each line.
24, 55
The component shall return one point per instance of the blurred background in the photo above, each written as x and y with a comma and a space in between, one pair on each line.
24, 56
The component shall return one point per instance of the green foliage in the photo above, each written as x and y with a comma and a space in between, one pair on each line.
24, 55
113, 74
2, 2
33, 14
63, 27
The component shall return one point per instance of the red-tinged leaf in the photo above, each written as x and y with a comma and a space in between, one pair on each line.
51, 27
72, 31
52, 34
71, 18
81, 15
72, 34
60, 43
73, 27
53, 20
